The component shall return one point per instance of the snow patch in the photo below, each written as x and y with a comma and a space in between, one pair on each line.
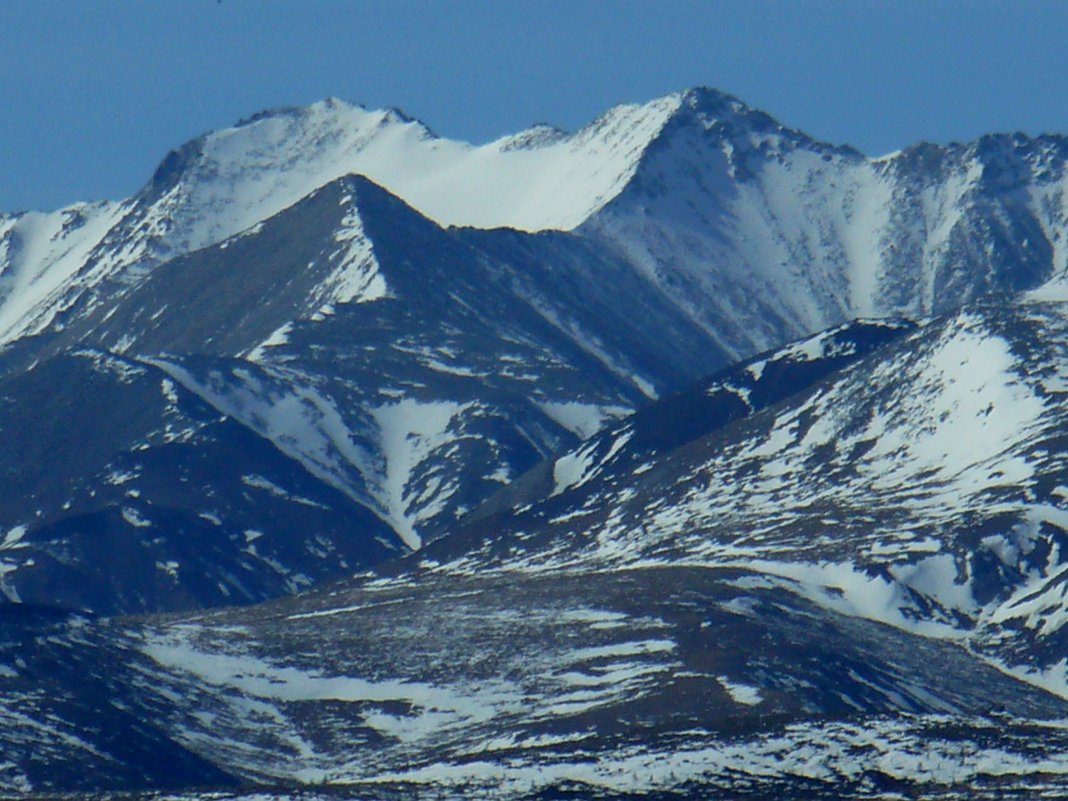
740, 693
582, 419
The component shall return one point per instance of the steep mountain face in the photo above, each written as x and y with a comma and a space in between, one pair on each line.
416, 369
848, 588
407, 371
765, 235
229, 181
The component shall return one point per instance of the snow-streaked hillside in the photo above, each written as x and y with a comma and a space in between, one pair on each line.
923, 488
630, 446
696, 681
123, 491
846, 587
409, 372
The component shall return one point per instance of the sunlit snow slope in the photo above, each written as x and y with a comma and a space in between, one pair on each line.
760, 233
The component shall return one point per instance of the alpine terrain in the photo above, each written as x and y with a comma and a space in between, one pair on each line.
683, 456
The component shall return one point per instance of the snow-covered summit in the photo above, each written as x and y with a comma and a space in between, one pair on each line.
759, 232
534, 180
729, 118
231, 180
227, 181
537, 179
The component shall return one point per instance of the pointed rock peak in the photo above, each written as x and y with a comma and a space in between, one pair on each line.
701, 108
331, 112
170, 171
360, 198
716, 109
729, 117
328, 107
1000, 158
924, 160
225, 182
540, 134
1003, 142
392, 114
712, 101
366, 192
1019, 151
643, 118
278, 138
330, 104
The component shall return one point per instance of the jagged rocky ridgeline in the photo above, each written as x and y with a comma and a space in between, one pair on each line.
646, 510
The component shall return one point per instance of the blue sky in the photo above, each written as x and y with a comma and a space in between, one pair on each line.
94, 92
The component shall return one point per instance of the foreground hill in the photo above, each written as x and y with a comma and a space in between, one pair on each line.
921, 487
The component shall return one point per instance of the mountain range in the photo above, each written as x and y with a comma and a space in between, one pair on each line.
680, 456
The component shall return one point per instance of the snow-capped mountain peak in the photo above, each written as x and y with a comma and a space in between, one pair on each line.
759, 232
538, 179
230, 180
